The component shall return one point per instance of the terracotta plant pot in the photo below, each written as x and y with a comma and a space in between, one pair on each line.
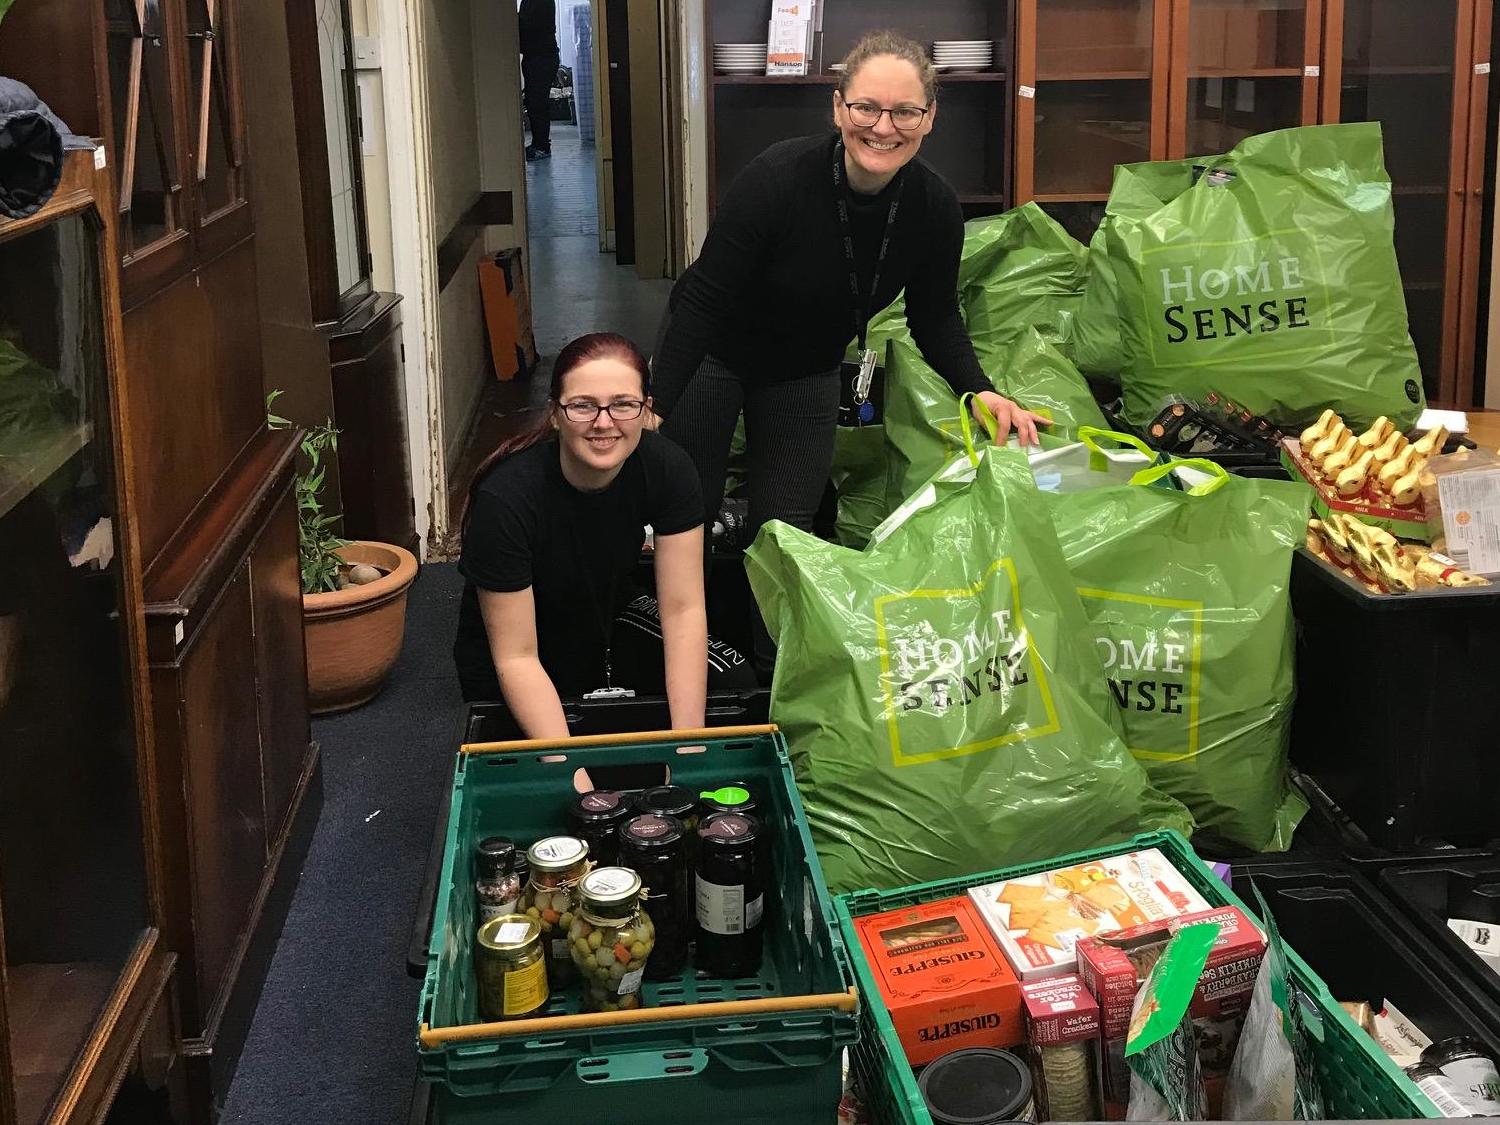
354, 635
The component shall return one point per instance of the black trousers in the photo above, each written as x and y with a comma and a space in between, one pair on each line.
790, 428
639, 658
538, 72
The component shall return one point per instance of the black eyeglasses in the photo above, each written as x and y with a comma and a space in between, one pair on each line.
867, 115
622, 410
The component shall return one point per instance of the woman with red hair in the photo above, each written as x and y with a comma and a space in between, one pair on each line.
552, 538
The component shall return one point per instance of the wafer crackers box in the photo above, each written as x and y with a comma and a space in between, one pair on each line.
943, 977
1039, 919
1062, 1028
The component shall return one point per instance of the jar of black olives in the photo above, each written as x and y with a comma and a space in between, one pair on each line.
726, 798
670, 800
595, 818
655, 848
729, 896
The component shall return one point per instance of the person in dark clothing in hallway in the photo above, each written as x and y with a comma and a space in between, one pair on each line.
814, 236
540, 59
552, 540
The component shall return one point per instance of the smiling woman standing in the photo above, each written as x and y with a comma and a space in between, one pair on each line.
813, 237
552, 539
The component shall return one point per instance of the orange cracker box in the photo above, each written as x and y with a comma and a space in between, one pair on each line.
1038, 919
1114, 967
944, 979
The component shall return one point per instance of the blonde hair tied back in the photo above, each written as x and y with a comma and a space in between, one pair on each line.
887, 42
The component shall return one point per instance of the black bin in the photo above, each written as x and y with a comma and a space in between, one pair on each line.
493, 722
1433, 892
1358, 942
1397, 706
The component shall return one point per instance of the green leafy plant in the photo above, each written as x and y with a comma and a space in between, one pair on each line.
317, 545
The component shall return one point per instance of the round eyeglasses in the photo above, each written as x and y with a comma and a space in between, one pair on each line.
622, 410
867, 115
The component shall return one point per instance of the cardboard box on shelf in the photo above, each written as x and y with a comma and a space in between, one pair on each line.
1112, 969
943, 977
1038, 919
1372, 507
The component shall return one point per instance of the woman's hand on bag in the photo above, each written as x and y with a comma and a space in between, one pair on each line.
1008, 416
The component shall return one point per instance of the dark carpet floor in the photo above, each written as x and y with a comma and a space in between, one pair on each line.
334, 1037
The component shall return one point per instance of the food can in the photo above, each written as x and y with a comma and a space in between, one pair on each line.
977, 1086
1472, 1072
511, 968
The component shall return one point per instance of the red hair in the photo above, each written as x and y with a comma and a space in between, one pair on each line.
585, 349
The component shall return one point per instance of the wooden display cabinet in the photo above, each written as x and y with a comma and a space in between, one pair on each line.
1422, 71
970, 140
82, 965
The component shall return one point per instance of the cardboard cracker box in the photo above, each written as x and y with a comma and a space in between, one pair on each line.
1112, 968
1061, 1013
943, 977
1039, 919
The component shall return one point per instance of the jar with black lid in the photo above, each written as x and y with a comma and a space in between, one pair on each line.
670, 800
497, 887
655, 848
729, 896
725, 799
1471, 1069
595, 818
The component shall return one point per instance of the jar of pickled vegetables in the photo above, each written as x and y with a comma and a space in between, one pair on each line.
511, 968
611, 939
556, 865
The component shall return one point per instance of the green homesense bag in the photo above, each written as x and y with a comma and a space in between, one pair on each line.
1020, 271
1268, 275
859, 470
940, 692
1187, 592
922, 426
1097, 347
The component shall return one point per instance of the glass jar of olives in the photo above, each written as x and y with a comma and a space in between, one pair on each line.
511, 968
595, 818
670, 800
611, 939
556, 865
727, 798
655, 848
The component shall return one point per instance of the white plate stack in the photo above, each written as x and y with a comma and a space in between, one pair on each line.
963, 54
739, 58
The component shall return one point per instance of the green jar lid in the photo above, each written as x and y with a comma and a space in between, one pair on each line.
729, 795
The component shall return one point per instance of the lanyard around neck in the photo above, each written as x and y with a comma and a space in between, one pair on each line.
861, 307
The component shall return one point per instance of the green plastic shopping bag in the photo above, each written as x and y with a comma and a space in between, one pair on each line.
1020, 270
858, 475
1267, 275
921, 417
940, 690
1187, 594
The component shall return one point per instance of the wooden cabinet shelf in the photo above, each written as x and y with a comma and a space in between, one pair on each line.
1094, 76
1247, 72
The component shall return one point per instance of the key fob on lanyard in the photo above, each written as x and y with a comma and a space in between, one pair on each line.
864, 409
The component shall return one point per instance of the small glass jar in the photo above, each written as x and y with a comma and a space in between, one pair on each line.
611, 940
729, 895
497, 887
551, 898
655, 848
727, 798
595, 818
511, 968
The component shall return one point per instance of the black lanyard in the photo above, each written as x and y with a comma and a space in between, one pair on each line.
861, 300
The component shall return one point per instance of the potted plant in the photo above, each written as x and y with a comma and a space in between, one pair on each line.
353, 592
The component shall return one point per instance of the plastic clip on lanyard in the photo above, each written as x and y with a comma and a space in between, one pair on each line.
864, 410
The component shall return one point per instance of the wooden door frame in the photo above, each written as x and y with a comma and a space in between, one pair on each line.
1449, 376
1475, 192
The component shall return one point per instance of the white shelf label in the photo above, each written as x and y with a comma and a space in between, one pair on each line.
1027, 91
1481, 68
1312, 71
100, 160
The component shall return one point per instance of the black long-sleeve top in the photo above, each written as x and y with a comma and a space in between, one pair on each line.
538, 22
769, 295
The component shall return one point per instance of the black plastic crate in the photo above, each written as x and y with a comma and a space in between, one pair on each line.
1364, 949
1431, 892
1326, 823
1396, 706
493, 722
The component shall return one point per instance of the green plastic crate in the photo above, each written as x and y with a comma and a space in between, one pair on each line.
735, 1067
1359, 1081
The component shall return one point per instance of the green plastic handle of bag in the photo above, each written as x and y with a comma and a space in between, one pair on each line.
966, 425
1098, 462
1212, 468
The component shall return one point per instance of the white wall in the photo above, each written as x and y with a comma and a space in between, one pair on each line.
364, 22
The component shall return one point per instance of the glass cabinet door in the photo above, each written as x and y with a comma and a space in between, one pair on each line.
72, 870
1092, 78
213, 91
1398, 68
1242, 67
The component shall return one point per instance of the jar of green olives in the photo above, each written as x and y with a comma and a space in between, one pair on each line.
550, 898
611, 940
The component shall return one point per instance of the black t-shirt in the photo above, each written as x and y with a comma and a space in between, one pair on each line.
576, 550
769, 294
